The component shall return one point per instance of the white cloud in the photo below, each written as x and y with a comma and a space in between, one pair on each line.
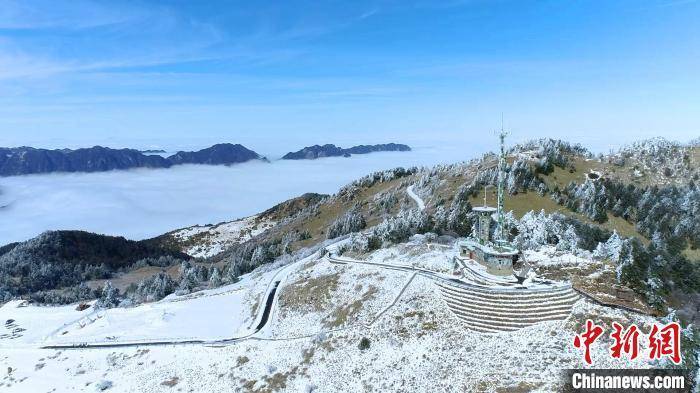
144, 203
83, 36
74, 14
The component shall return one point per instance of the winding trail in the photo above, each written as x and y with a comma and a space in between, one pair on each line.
271, 297
264, 315
260, 322
415, 197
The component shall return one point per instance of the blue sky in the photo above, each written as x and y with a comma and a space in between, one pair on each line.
275, 74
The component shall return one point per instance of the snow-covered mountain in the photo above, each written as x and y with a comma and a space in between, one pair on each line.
333, 327
363, 290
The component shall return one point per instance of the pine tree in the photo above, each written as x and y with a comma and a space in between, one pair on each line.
109, 297
569, 240
154, 288
188, 280
231, 275
215, 278
352, 221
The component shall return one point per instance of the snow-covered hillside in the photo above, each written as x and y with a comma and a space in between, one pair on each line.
321, 315
659, 161
204, 241
374, 315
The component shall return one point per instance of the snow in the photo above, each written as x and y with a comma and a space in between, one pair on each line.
550, 256
209, 315
417, 254
419, 201
214, 239
205, 317
530, 155
216, 314
37, 321
353, 279
405, 353
416, 343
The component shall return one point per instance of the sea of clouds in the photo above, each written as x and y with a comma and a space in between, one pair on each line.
143, 203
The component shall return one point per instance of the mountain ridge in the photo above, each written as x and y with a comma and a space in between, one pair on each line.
26, 160
331, 150
554, 177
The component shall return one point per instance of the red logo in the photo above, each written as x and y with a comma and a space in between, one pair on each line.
591, 334
662, 341
665, 342
627, 343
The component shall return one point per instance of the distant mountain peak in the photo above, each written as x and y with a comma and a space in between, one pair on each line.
219, 154
331, 150
28, 160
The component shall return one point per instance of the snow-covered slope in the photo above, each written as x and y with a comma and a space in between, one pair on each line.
322, 312
202, 241
206, 315
660, 161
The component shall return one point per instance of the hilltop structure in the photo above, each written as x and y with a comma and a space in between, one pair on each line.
493, 251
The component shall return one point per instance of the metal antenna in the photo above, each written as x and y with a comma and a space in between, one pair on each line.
501, 183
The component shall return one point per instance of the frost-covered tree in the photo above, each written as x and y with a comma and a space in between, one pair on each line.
83, 292
459, 218
231, 276
589, 198
568, 241
536, 230
162, 261
624, 261
154, 288
352, 221
610, 249
215, 279
520, 176
189, 280
109, 297
400, 228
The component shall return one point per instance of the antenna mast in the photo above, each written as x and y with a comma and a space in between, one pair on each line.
500, 236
